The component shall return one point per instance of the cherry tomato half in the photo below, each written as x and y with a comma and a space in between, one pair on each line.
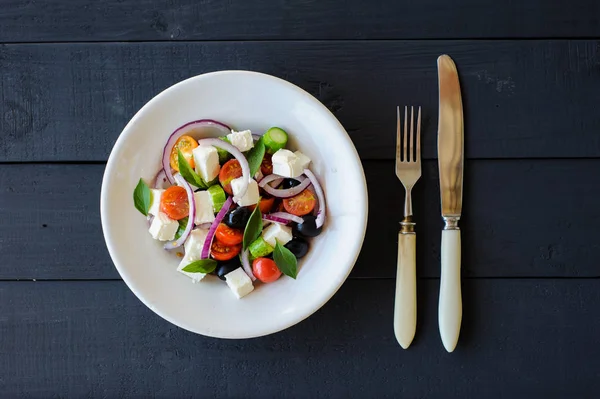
174, 202
266, 166
185, 144
228, 235
229, 171
265, 205
220, 251
265, 270
301, 204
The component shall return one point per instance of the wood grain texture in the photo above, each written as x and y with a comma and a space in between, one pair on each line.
522, 218
117, 20
522, 99
520, 338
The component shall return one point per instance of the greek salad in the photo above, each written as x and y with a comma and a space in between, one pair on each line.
240, 206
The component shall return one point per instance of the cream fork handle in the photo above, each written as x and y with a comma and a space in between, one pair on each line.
405, 307
450, 305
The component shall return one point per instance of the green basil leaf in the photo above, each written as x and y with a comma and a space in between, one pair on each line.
182, 225
285, 260
253, 227
255, 156
201, 266
142, 197
187, 172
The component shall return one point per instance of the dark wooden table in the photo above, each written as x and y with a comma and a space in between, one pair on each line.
72, 73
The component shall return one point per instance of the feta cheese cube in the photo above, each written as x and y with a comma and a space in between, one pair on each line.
239, 282
193, 245
251, 196
279, 232
241, 140
289, 164
302, 160
163, 228
206, 159
155, 204
204, 208
193, 250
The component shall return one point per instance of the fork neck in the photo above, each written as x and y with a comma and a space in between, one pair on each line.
408, 226
408, 212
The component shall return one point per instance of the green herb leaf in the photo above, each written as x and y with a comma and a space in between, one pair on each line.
285, 260
142, 197
182, 225
201, 266
255, 156
223, 154
253, 227
187, 172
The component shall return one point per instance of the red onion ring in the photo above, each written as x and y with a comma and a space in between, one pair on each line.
258, 176
237, 155
288, 192
160, 180
213, 228
276, 182
268, 179
246, 265
180, 131
283, 218
320, 195
190, 194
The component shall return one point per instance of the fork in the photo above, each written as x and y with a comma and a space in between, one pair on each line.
408, 170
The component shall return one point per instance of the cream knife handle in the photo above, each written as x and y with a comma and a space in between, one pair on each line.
450, 306
405, 306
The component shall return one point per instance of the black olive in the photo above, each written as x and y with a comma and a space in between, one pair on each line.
227, 267
289, 183
298, 246
238, 218
308, 228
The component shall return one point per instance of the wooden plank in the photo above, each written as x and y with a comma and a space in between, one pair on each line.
95, 339
63, 20
523, 99
542, 223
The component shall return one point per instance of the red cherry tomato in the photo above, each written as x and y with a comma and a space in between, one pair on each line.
220, 251
174, 202
265, 270
228, 235
266, 167
265, 205
229, 171
301, 204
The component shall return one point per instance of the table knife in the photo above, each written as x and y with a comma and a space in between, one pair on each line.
451, 165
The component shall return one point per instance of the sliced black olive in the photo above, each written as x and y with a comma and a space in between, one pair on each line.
238, 218
308, 228
227, 267
289, 183
298, 246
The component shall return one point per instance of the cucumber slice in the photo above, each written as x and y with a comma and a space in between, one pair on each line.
217, 196
223, 155
259, 248
275, 139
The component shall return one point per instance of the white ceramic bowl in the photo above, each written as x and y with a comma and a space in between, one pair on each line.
244, 100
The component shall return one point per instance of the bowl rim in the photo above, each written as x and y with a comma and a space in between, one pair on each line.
104, 200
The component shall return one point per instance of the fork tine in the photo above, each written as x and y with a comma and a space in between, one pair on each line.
419, 136
398, 137
405, 159
411, 154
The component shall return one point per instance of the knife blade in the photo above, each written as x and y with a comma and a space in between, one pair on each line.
451, 166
